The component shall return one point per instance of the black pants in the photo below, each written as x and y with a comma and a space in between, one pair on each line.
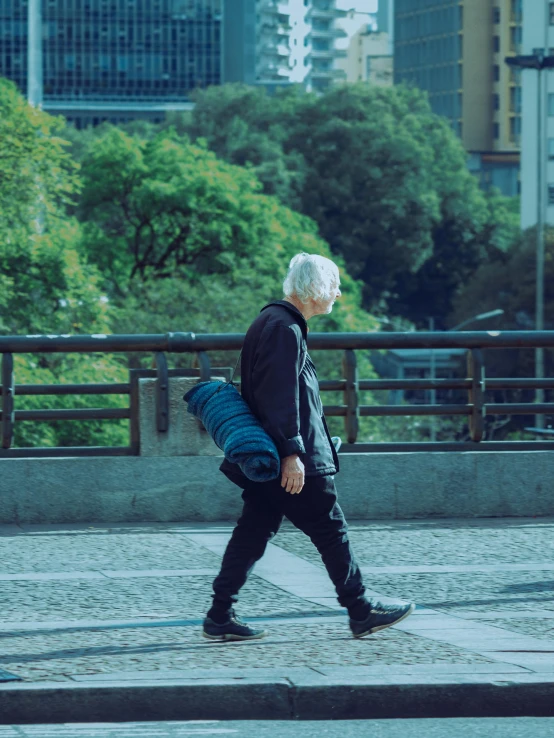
316, 512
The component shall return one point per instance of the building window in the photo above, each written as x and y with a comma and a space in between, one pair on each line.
551, 103
496, 102
496, 43
515, 129
496, 73
495, 131
551, 9
496, 15
551, 194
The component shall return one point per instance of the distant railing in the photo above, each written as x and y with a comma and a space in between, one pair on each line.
475, 409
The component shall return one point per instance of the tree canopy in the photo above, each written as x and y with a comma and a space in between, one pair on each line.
384, 178
46, 286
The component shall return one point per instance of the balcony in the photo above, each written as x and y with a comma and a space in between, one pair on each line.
331, 33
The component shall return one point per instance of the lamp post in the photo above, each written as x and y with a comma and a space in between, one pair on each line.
539, 60
34, 54
432, 364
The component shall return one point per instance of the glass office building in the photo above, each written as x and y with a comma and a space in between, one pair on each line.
455, 50
428, 52
120, 59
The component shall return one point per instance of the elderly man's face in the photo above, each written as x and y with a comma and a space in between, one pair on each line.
324, 306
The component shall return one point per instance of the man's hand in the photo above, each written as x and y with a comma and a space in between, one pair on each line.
292, 474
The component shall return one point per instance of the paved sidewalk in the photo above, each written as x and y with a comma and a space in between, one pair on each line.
107, 619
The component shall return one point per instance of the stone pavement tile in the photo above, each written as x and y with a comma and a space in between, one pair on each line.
412, 680
519, 614
192, 674
422, 669
83, 550
51, 576
537, 627
439, 543
457, 569
437, 621
59, 655
536, 662
177, 597
486, 645
134, 573
482, 592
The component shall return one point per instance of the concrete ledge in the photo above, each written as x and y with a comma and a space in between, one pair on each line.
191, 488
314, 698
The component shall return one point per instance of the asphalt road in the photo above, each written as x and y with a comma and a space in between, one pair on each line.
455, 728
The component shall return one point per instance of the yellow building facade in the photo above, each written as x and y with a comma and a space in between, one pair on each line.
455, 50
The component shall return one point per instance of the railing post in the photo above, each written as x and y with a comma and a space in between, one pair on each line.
8, 391
162, 392
204, 364
476, 372
350, 395
134, 407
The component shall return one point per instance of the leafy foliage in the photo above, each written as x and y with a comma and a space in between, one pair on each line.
45, 284
383, 177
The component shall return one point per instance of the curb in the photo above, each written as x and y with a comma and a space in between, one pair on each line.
317, 698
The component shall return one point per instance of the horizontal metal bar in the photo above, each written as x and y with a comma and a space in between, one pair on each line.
72, 389
411, 410
453, 446
414, 384
190, 342
89, 413
332, 385
42, 452
520, 408
524, 408
400, 410
517, 383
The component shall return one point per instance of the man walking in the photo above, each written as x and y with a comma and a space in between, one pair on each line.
279, 383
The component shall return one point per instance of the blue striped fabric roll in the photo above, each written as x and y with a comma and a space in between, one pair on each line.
235, 429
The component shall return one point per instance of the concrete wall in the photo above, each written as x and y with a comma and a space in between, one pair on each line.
190, 488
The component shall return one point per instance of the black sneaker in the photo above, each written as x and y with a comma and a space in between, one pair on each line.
233, 630
381, 616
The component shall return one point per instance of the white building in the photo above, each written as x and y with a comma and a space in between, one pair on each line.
295, 42
538, 35
368, 58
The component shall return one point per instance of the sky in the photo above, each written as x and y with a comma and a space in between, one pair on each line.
351, 26
363, 6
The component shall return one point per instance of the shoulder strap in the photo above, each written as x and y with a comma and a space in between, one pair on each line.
235, 369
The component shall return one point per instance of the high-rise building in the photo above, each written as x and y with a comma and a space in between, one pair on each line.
385, 21
455, 50
538, 37
122, 59
296, 42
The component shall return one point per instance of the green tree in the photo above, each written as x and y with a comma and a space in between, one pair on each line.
508, 282
383, 177
45, 285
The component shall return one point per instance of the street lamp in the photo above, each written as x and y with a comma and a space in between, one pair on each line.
432, 364
34, 54
539, 60
481, 316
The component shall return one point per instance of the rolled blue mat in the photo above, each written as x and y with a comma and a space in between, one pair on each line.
235, 429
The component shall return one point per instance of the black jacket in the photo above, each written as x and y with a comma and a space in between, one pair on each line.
279, 383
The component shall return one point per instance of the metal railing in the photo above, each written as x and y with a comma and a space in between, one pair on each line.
475, 384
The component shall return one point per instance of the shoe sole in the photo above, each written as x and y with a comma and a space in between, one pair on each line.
233, 637
388, 625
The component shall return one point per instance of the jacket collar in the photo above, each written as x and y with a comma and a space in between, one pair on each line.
300, 319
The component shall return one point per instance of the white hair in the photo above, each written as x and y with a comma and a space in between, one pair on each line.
311, 276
